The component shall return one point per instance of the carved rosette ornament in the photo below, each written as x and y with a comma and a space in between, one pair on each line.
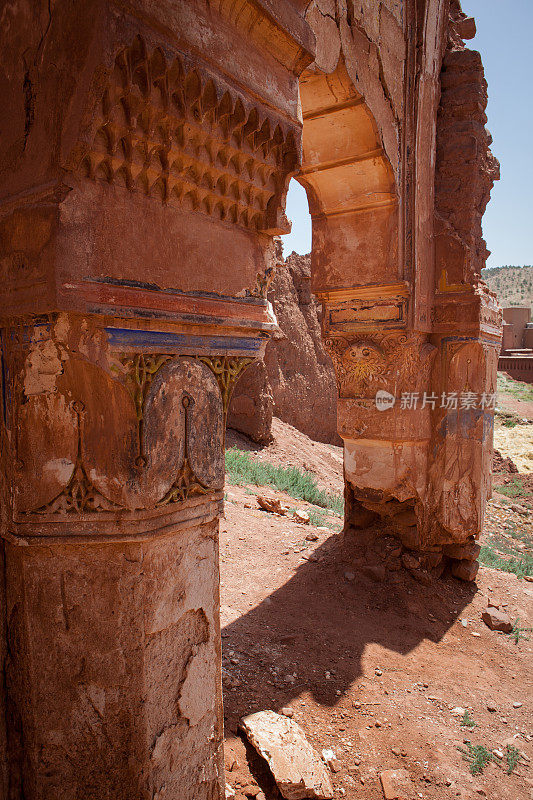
395, 362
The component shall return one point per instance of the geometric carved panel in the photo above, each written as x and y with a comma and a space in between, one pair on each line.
174, 133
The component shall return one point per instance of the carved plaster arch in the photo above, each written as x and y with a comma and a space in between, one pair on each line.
350, 184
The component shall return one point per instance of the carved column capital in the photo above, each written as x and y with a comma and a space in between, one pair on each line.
120, 443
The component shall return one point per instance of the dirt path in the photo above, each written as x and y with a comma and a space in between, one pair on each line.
370, 670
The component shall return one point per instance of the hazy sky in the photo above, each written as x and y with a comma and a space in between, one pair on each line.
505, 41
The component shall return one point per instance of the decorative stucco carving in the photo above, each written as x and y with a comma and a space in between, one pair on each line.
193, 392
173, 132
164, 442
186, 483
79, 496
393, 361
141, 370
227, 370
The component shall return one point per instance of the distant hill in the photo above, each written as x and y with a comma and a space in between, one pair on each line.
513, 285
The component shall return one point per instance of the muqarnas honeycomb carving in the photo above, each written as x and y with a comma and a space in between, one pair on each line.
175, 134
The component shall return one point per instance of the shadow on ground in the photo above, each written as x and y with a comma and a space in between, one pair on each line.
310, 635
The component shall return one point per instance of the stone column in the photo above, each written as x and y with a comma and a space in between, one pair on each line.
115, 475
467, 322
397, 185
143, 174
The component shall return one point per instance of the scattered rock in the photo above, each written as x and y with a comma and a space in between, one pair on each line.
271, 504
287, 711
375, 572
465, 570
296, 766
229, 680
410, 562
331, 760
303, 517
229, 792
421, 576
252, 790
517, 705
491, 706
231, 763
397, 785
349, 576
458, 711
432, 560
510, 742
467, 552
497, 620
312, 537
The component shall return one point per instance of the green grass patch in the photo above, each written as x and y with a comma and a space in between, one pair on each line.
477, 757
512, 758
513, 489
242, 469
517, 389
467, 720
317, 517
520, 566
519, 632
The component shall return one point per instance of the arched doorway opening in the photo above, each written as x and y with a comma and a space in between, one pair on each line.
299, 240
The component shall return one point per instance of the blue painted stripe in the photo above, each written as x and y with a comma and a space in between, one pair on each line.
126, 337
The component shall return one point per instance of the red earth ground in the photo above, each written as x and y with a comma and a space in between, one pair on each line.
370, 670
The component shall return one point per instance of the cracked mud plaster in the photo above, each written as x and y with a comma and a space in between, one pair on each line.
43, 366
197, 698
321, 18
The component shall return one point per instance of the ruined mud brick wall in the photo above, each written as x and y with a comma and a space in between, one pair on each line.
297, 381
465, 166
467, 321
404, 310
